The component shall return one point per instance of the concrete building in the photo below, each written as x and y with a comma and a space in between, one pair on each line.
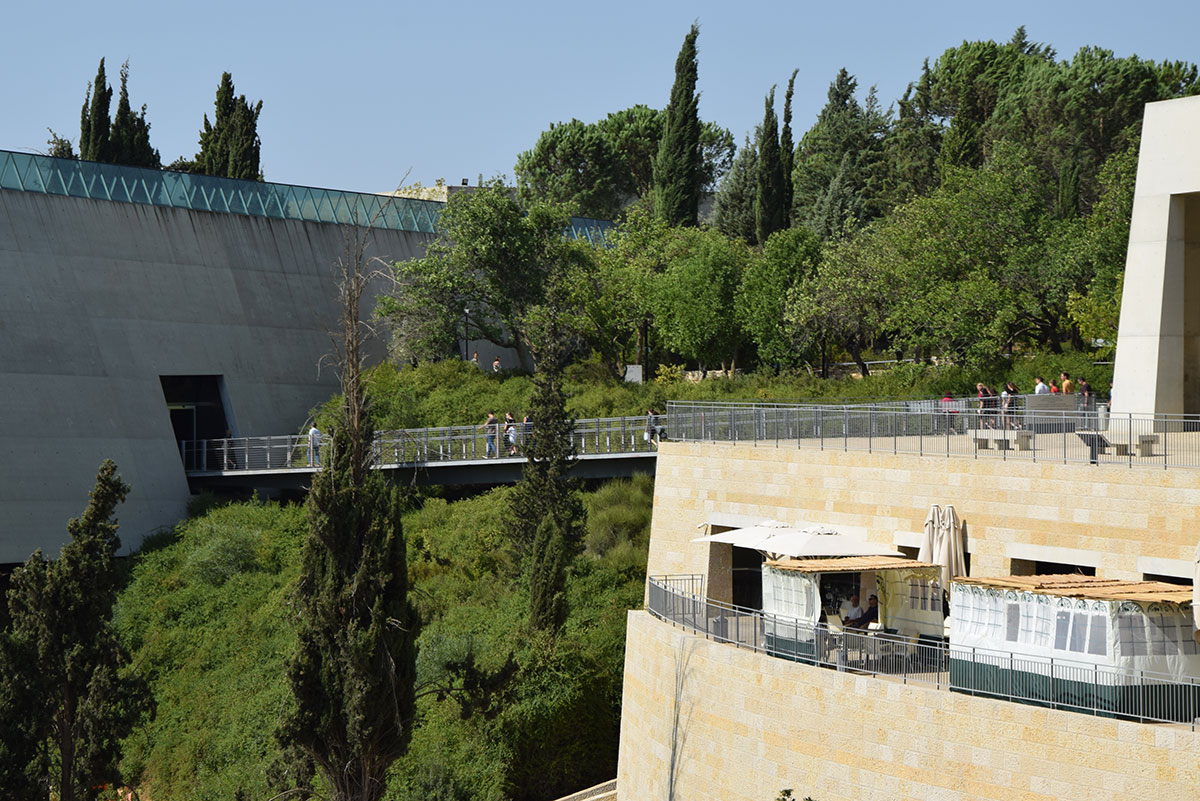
1158, 347
142, 306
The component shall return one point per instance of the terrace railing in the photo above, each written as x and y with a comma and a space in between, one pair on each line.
610, 435
1059, 684
960, 427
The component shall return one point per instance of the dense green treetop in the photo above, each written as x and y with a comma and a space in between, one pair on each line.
94, 122
229, 145
677, 168
734, 213
694, 297
787, 148
576, 165
770, 214
598, 170
843, 146
492, 258
123, 140
788, 257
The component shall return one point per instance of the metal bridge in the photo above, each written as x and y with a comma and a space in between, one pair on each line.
609, 447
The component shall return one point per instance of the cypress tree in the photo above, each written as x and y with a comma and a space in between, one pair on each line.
735, 201
677, 169
229, 145
787, 150
129, 135
93, 121
61, 614
353, 672
769, 212
547, 515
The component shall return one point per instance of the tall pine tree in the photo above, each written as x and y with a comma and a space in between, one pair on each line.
547, 516
787, 149
93, 120
354, 668
734, 211
129, 136
229, 145
677, 170
61, 614
770, 215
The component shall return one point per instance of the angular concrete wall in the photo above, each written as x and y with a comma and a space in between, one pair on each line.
1158, 345
98, 299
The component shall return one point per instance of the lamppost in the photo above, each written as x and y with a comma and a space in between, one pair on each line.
466, 332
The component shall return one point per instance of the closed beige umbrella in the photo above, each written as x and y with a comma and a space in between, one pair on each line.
951, 556
929, 545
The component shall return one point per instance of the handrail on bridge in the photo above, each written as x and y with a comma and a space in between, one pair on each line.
1060, 684
608, 435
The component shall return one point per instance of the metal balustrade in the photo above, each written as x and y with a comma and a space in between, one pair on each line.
1059, 684
610, 435
952, 428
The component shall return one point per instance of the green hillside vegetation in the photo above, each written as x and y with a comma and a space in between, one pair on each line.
207, 618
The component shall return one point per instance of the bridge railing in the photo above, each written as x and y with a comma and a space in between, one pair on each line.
608, 435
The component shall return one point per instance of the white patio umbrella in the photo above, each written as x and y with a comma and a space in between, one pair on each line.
933, 523
748, 537
951, 557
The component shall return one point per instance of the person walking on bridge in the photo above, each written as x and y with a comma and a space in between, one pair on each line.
490, 427
314, 446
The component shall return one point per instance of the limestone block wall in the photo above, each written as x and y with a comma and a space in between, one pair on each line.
706, 720
98, 299
1124, 522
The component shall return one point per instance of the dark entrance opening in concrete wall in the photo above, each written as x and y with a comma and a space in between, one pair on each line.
197, 406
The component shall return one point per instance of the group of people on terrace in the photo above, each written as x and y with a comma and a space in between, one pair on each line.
999, 409
1068, 387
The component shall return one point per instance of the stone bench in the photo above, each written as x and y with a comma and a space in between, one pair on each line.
1143, 443
1004, 440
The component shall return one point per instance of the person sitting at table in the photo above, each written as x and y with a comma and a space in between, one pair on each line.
850, 610
868, 617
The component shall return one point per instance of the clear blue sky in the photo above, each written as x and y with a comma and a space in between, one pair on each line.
358, 94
